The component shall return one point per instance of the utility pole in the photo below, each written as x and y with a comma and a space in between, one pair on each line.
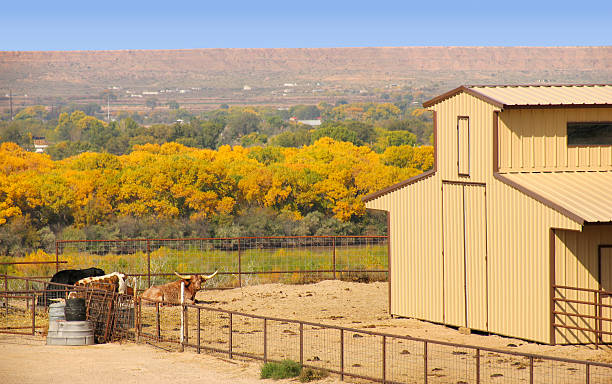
108, 107
11, 102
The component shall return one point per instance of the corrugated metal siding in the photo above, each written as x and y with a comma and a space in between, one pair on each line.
416, 248
480, 137
548, 95
474, 198
519, 263
586, 194
576, 265
517, 238
454, 255
536, 140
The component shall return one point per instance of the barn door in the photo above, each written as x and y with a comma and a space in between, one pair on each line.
454, 251
605, 280
476, 256
465, 265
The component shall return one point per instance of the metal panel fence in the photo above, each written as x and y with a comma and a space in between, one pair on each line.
586, 313
240, 260
348, 352
355, 353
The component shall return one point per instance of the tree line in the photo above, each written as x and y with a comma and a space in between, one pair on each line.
234, 171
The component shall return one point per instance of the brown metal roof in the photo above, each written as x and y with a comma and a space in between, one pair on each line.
584, 196
509, 96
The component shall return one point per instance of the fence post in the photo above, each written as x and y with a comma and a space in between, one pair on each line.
6, 292
425, 362
477, 366
28, 290
301, 343
342, 354
239, 264
182, 347
588, 373
230, 336
56, 257
199, 325
265, 336
530, 369
334, 258
157, 325
137, 315
33, 315
149, 263
384, 359
599, 314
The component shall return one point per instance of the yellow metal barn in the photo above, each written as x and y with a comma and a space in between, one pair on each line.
511, 232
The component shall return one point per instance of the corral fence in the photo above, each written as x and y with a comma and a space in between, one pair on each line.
111, 313
240, 260
348, 352
585, 312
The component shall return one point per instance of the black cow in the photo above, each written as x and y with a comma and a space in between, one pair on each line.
68, 277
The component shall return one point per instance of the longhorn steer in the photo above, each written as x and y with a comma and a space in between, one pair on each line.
170, 293
67, 277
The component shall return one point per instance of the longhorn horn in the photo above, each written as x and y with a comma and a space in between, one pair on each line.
210, 276
185, 277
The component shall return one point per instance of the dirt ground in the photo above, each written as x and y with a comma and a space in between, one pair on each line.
365, 306
26, 359
354, 305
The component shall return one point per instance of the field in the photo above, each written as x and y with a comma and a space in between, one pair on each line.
280, 262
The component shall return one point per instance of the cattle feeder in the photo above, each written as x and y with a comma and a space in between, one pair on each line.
511, 231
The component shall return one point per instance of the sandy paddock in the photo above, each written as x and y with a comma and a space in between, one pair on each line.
361, 306
354, 305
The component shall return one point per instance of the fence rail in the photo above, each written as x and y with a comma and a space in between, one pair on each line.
348, 352
573, 310
240, 260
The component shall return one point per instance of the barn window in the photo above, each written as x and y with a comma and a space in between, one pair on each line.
589, 133
463, 145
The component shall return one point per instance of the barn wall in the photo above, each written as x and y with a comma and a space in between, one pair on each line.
518, 241
480, 137
576, 265
517, 281
416, 249
532, 140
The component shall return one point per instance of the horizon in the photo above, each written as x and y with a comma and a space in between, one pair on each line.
313, 48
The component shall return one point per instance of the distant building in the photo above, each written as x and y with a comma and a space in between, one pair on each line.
312, 123
150, 93
246, 88
40, 144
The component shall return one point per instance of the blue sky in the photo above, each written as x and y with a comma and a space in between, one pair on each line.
111, 24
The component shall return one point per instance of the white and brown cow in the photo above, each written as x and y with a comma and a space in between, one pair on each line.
113, 282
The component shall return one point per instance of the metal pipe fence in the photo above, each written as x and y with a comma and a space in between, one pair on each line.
240, 260
348, 352
586, 313
357, 353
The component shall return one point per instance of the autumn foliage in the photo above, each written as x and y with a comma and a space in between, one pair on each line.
171, 180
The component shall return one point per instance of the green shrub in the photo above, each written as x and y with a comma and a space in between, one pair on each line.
283, 370
309, 374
